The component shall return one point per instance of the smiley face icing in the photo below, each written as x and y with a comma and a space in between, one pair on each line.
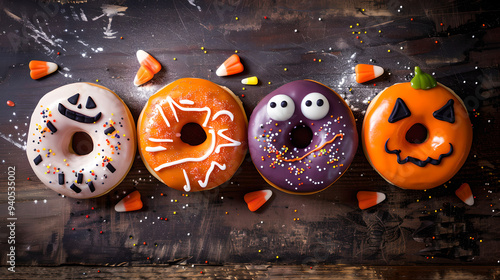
302, 137
81, 140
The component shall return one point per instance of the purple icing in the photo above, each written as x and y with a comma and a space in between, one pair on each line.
279, 161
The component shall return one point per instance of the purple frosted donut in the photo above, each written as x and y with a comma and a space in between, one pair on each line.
302, 137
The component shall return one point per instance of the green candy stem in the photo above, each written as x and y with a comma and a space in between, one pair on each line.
422, 80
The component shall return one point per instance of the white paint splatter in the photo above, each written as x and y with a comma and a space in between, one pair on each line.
37, 33
83, 43
110, 11
193, 4
82, 15
19, 145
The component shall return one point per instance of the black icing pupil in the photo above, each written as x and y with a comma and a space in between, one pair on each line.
284, 104
320, 102
272, 104
309, 103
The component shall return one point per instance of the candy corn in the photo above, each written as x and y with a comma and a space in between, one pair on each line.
131, 202
145, 59
465, 194
365, 72
368, 199
143, 75
250, 81
230, 67
149, 67
41, 68
256, 199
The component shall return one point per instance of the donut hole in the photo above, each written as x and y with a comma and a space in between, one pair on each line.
193, 134
81, 143
301, 136
417, 134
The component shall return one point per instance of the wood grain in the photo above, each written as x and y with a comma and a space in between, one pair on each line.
410, 229
247, 271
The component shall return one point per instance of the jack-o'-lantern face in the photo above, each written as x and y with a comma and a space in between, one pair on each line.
417, 138
78, 113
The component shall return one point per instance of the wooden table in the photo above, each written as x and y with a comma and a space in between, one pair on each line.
213, 231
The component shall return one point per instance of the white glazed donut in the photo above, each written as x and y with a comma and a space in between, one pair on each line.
81, 140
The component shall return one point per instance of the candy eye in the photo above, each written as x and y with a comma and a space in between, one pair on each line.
280, 107
315, 106
90, 103
74, 99
446, 113
399, 112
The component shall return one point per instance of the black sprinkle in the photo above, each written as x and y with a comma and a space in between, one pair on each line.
51, 127
75, 188
61, 178
38, 159
109, 130
91, 186
111, 167
79, 179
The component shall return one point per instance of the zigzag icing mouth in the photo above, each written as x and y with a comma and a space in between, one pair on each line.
77, 116
416, 161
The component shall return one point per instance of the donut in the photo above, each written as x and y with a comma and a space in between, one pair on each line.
192, 134
302, 137
81, 140
417, 135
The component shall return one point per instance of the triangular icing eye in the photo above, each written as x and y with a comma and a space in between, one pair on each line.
74, 99
446, 113
90, 103
399, 112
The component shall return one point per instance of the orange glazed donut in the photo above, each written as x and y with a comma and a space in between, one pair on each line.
193, 134
417, 135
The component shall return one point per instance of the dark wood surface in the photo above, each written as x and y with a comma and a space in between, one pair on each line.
458, 41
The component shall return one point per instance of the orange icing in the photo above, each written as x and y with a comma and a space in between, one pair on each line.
178, 164
422, 104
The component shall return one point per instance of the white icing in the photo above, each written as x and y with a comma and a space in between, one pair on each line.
173, 103
223, 112
233, 143
187, 186
187, 102
116, 148
205, 156
210, 170
155, 149
156, 140
158, 107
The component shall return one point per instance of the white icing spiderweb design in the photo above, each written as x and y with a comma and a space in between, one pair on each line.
229, 142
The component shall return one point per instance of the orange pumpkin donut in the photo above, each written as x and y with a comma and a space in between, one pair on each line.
193, 134
417, 135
